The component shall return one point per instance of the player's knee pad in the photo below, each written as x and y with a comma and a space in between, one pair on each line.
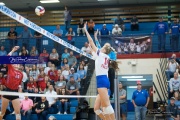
98, 112
108, 110
18, 116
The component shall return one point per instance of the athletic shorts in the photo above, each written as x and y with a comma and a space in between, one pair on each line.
9, 97
123, 109
102, 81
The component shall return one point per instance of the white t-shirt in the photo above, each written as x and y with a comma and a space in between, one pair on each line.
65, 73
116, 31
132, 46
24, 77
46, 70
86, 49
138, 48
51, 99
101, 63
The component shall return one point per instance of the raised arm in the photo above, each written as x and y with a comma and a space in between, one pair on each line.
90, 39
96, 40
13, 50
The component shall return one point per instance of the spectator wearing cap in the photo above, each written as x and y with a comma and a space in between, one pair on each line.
171, 68
174, 84
86, 48
162, 29
116, 30
119, 21
81, 27
123, 105
26, 107
76, 76
174, 31
172, 110
72, 60
140, 100
134, 23
104, 30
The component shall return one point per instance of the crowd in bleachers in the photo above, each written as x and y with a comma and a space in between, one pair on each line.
58, 75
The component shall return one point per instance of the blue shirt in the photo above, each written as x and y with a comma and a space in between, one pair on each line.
82, 73
175, 29
3, 53
161, 28
177, 103
104, 31
64, 55
14, 54
75, 75
26, 34
140, 97
58, 31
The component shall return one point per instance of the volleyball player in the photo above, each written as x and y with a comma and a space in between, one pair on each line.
101, 68
12, 83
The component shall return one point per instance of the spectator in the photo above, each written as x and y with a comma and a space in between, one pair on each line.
174, 85
134, 23
58, 73
48, 68
63, 63
72, 87
67, 17
171, 68
91, 26
66, 72
123, 105
175, 58
119, 21
60, 84
70, 36
63, 103
65, 54
172, 110
2, 81
41, 81
132, 46
86, 48
33, 51
162, 29
42, 109
58, 32
26, 107
81, 27
72, 60
25, 35
104, 30
48, 83
23, 50
54, 57
126, 48
35, 100
76, 76
82, 73
34, 72
174, 31
177, 100
44, 56
12, 36
53, 74
4, 69
31, 85
140, 100
24, 79
3, 52
116, 30
52, 100
38, 37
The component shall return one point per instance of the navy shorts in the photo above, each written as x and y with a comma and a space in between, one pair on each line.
123, 109
102, 81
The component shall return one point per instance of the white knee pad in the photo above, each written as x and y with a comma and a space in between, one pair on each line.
18, 116
108, 110
98, 112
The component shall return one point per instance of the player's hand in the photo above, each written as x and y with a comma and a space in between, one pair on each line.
16, 48
85, 26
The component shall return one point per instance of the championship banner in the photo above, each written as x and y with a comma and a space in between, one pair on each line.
5, 10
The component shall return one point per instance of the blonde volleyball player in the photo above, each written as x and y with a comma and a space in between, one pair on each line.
101, 68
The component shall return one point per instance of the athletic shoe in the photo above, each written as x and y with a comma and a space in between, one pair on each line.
65, 113
13, 112
59, 113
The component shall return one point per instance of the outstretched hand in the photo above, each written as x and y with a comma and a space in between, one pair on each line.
85, 25
16, 48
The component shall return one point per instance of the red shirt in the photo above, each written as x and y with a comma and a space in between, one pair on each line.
53, 75
41, 82
2, 81
32, 85
14, 78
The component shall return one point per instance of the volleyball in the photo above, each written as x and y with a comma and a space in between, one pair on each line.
39, 10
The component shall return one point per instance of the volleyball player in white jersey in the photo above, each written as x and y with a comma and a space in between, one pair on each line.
103, 84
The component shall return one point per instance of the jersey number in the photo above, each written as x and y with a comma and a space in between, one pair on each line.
106, 61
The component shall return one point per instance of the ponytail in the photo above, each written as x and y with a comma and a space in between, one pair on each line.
114, 65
